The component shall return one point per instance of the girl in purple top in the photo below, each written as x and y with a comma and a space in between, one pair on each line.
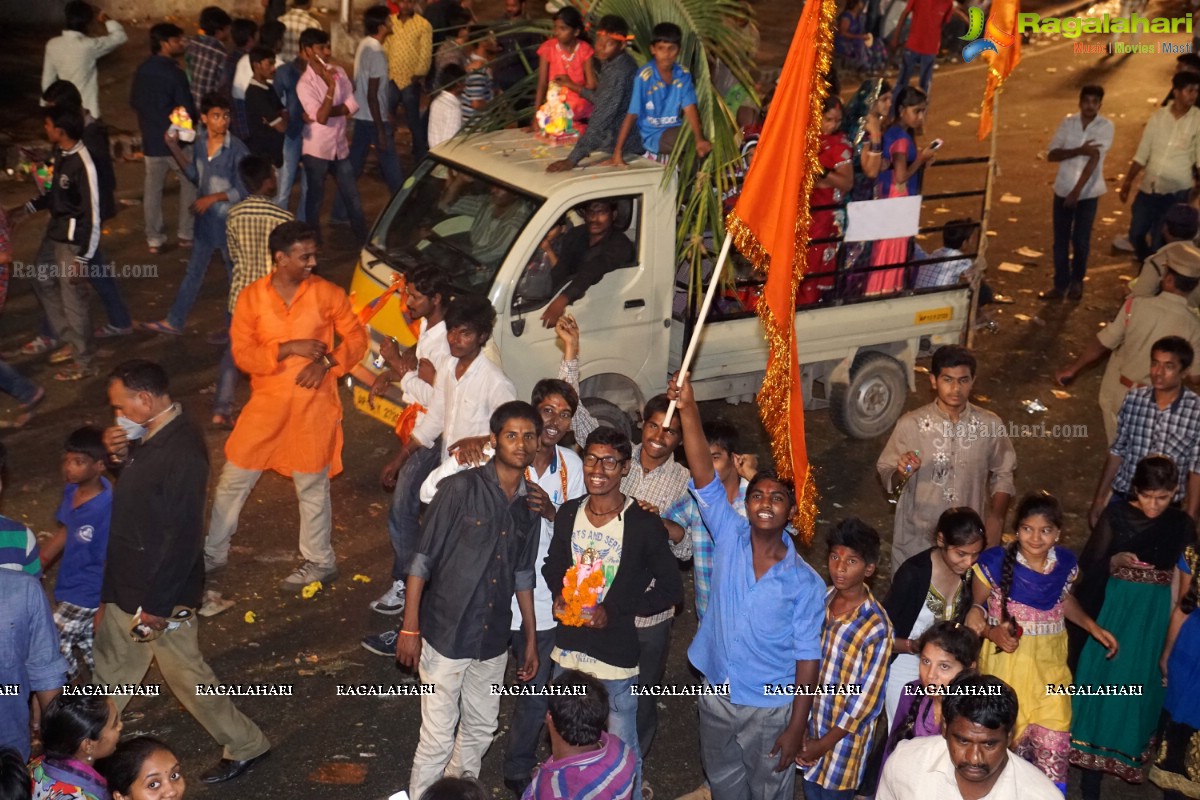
948, 649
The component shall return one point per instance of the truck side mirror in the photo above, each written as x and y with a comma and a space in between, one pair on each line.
518, 326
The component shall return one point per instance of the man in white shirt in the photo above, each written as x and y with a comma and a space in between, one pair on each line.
445, 112
73, 55
416, 369
971, 760
465, 393
1168, 153
372, 122
1079, 146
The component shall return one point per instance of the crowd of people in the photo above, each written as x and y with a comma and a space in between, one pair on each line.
996, 657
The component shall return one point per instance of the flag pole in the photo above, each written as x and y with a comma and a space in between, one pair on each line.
981, 253
708, 298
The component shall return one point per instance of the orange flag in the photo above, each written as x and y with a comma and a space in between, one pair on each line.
770, 225
1002, 31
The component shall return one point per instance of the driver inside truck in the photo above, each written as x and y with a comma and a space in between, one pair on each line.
496, 217
588, 253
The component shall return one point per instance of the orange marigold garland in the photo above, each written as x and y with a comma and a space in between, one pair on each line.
580, 594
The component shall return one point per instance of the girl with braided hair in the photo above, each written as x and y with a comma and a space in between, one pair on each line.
1022, 597
1178, 761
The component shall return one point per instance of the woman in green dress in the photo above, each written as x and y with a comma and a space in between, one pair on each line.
1126, 586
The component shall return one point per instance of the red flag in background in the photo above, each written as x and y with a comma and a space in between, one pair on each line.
770, 226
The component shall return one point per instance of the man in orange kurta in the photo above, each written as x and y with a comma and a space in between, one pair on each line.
283, 336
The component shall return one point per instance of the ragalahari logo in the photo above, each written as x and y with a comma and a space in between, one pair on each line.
994, 40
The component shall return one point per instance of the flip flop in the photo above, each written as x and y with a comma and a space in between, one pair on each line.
160, 326
62, 355
75, 373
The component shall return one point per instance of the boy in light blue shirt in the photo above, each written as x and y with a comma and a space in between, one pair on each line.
662, 93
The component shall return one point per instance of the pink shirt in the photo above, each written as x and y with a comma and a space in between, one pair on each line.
326, 141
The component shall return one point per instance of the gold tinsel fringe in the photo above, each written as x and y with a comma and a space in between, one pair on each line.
775, 397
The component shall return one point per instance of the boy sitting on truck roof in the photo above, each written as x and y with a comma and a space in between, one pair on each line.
609, 99
662, 92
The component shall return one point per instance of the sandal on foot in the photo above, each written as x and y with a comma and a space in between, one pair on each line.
75, 372
110, 331
62, 355
222, 421
38, 345
161, 326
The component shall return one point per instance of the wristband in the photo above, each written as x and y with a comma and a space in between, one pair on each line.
876, 147
410, 633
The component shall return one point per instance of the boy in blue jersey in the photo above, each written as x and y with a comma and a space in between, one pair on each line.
662, 93
82, 541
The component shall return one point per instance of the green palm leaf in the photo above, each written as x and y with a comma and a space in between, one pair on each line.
713, 30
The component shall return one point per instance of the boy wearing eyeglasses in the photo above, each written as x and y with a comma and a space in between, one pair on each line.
605, 552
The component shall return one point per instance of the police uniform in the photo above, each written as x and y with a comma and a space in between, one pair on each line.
1140, 323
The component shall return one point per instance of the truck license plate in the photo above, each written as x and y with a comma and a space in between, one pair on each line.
385, 410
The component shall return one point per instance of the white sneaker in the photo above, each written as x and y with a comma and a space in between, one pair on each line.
305, 574
390, 602
1123, 244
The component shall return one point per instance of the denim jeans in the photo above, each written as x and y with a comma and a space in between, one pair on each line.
361, 142
210, 239
529, 714
914, 64
1072, 229
652, 664
315, 170
23, 390
1146, 219
410, 98
814, 792
622, 717
404, 527
287, 177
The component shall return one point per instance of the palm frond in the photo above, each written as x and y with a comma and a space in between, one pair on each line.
713, 30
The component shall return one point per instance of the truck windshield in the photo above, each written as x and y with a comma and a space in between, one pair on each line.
457, 220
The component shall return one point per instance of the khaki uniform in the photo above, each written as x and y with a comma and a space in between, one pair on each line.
1149, 280
1140, 323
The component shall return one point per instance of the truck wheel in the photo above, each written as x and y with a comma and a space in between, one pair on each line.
873, 400
608, 414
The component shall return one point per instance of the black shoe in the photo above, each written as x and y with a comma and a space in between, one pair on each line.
227, 769
517, 786
1053, 294
1075, 291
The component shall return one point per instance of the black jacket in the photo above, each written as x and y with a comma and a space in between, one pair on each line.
910, 586
95, 139
158, 86
73, 201
156, 544
645, 556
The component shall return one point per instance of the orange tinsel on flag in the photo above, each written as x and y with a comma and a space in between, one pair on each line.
770, 225
1001, 30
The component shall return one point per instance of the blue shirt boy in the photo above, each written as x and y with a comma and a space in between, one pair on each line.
82, 570
755, 630
658, 105
218, 174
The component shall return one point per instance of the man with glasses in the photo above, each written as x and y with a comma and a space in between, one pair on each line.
607, 542
588, 253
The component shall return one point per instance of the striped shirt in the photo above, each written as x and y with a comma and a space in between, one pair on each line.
660, 487
855, 649
248, 227
685, 513
295, 22
19, 548
604, 774
205, 58
476, 87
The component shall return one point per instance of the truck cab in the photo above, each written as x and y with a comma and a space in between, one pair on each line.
480, 206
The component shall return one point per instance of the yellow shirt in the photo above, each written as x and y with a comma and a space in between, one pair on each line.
409, 49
